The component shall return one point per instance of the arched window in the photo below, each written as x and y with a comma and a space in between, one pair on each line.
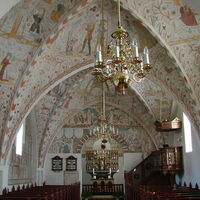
20, 139
187, 133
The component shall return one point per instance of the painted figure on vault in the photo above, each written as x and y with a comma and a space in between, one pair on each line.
3, 65
188, 16
70, 43
88, 37
35, 27
56, 14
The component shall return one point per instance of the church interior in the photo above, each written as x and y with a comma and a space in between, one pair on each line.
99, 99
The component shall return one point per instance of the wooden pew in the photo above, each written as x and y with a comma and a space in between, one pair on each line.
144, 192
46, 192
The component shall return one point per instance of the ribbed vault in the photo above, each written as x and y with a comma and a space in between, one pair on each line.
47, 67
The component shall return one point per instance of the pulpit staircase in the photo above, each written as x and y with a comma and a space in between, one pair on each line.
159, 168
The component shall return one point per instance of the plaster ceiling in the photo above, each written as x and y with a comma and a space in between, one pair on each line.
48, 72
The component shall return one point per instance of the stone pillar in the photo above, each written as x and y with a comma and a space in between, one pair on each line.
3, 177
40, 176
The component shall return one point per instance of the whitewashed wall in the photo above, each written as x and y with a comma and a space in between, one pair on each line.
22, 169
86, 177
119, 176
131, 160
57, 178
191, 161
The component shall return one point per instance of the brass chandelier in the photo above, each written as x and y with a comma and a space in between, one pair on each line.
103, 129
120, 61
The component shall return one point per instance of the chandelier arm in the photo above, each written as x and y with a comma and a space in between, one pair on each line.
120, 60
134, 78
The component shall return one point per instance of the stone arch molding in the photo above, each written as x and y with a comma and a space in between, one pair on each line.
29, 89
56, 125
117, 138
76, 99
30, 48
165, 21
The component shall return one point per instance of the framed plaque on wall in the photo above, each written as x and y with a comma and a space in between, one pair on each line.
71, 163
57, 163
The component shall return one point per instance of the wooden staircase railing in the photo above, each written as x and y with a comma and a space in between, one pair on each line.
155, 192
158, 164
139, 174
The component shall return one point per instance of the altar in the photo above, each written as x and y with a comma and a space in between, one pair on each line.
106, 181
102, 165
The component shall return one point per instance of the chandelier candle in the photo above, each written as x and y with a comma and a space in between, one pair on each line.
99, 58
117, 51
146, 56
120, 62
135, 49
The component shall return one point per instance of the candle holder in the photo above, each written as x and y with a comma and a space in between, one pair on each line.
121, 55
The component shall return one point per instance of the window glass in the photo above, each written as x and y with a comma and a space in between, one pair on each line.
187, 133
19, 140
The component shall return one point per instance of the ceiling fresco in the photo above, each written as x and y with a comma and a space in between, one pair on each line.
84, 107
130, 135
22, 31
177, 26
45, 52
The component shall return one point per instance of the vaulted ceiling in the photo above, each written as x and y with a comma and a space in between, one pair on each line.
48, 70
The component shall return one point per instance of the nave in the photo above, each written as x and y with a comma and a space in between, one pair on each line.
152, 179
99, 99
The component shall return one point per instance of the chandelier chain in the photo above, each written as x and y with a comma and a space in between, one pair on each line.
119, 15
